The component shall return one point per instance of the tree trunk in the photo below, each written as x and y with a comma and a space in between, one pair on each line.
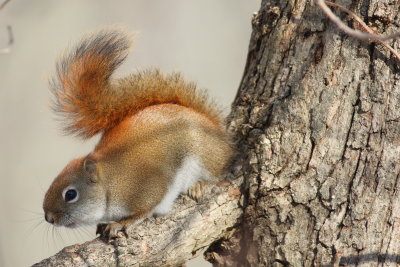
317, 123
316, 120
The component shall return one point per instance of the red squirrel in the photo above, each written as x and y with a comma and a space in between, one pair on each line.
160, 137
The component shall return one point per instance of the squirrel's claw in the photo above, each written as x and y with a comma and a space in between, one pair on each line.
197, 191
111, 230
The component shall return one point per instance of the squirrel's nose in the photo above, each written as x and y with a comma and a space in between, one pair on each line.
49, 217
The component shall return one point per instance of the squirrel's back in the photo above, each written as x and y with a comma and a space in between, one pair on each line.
91, 102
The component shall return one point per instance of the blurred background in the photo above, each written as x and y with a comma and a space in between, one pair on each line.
205, 40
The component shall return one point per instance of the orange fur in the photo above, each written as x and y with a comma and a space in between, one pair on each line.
91, 102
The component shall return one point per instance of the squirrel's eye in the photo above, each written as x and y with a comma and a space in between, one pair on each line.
71, 195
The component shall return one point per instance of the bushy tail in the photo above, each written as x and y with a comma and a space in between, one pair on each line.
91, 102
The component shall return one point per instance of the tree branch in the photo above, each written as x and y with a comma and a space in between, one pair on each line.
168, 241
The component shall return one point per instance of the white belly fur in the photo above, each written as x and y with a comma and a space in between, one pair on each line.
191, 172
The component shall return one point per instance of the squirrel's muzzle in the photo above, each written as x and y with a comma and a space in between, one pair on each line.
49, 217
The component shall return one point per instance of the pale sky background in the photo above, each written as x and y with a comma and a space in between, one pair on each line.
206, 40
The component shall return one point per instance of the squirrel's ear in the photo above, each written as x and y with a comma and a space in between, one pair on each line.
90, 167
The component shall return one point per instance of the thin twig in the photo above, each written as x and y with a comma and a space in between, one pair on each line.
351, 32
4, 4
364, 26
7, 49
351, 13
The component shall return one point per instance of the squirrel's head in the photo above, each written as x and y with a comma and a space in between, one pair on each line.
76, 197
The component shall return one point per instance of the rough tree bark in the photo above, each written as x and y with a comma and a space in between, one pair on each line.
317, 117
316, 120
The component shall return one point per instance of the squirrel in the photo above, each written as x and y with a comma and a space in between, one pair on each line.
160, 137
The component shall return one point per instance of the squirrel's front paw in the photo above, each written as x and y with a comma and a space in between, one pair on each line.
197, 191
111, 230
